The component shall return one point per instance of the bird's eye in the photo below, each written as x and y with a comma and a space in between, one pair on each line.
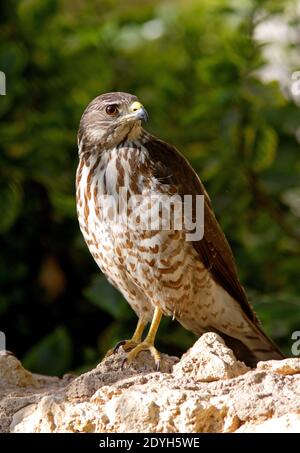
112, 110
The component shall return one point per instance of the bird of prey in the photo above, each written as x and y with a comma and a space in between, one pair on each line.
158, 270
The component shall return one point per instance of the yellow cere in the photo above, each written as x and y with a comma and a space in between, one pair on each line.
136, 106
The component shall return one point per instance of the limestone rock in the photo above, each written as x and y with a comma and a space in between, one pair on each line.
209, 360
289, 423
12, 373
208, 390
286, 366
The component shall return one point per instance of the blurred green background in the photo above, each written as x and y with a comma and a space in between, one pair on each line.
201, 69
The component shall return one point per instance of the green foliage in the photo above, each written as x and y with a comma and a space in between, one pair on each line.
11, 200
106, 297
195, 66
51, 355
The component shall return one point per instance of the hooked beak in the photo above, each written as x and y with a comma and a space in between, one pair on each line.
138, 111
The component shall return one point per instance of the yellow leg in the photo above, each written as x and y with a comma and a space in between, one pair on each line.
148, 343
137, 336
132, 343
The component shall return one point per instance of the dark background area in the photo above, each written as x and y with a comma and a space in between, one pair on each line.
200, 70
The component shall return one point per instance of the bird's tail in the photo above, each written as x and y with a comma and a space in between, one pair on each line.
253, 347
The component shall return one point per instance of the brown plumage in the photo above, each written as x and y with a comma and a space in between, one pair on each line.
158, 271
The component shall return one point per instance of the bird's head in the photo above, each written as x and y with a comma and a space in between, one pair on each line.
110, 119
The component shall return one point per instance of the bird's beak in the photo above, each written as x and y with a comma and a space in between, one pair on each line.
139, 112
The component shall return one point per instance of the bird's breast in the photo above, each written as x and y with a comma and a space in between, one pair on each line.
109, 188
117, 202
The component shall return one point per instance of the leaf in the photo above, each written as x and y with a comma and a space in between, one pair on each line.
106, 297
11, 201
291, 198
265, 149
64, 204
52, 355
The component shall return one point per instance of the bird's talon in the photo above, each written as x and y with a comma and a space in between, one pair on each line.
144, 346
118, 345
126, 344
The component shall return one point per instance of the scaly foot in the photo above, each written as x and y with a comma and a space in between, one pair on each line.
126, 344
144, 346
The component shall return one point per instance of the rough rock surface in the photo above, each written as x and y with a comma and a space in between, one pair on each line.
208, 390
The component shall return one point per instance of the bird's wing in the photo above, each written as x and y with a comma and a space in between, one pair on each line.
170, 167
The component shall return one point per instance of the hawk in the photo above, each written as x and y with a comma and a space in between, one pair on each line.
158, 271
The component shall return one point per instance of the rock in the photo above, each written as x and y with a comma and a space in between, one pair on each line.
286, 366
209, 360
208, 390
12, 373
289, 423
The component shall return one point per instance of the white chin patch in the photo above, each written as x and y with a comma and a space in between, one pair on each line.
96, 134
